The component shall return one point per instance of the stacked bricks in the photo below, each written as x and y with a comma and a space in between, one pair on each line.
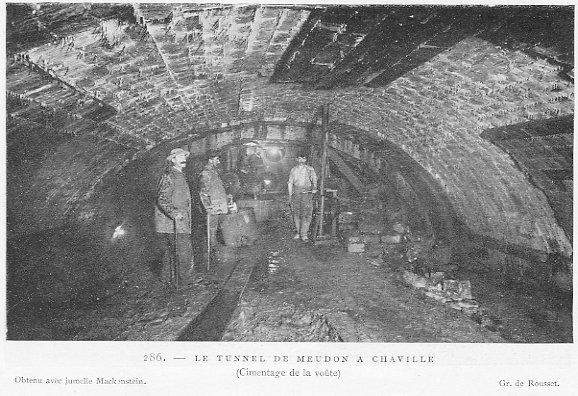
371, 244
365, 230
347, 223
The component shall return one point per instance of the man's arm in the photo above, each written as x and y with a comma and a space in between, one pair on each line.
290, 182
313, 178
204, 191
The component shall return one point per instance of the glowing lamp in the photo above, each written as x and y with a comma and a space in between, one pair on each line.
118, 232
269, 180
275, 153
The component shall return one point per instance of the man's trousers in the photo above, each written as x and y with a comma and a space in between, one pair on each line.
179, 258
302, 208
214, 222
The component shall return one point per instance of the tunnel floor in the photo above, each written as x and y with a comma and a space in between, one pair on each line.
280, 289
306, 292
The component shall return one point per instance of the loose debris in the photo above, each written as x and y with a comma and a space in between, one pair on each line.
257, 320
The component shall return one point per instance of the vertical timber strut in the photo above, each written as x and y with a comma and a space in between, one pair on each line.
325, 131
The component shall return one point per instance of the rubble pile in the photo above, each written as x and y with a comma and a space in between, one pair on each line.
421, 262
456, 293
377, 230
257, 319
428, 267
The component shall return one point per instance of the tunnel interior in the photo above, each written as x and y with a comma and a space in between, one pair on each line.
461, 134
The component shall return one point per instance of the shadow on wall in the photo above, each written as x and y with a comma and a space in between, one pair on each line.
79, 264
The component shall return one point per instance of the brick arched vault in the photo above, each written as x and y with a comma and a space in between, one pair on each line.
438, 123
458, 228
156, 87
430, 203
529, 144
487, 189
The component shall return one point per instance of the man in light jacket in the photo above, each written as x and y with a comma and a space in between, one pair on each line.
302, 185
213, 195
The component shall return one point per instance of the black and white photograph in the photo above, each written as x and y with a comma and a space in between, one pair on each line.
256, 195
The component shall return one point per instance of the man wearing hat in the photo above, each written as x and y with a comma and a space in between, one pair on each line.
251, 169
173, 219
254, 157
302, 185
213, 195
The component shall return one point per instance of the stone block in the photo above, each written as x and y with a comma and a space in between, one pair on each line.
371, 238
356, 248
437, 277
368, 228
466, 306
436, 295
465, 290
400, 228
450, 286
461, 290
414, 280
391, 238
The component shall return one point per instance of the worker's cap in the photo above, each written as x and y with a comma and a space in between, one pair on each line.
177, 151
251, 144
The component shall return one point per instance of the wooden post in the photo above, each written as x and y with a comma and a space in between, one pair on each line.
208, 242
325, 131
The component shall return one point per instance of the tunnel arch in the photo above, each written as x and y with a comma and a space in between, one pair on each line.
75, 132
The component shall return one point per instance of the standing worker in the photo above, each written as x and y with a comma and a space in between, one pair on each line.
254, 156
251, 170
302, 185
213, 197
173, 220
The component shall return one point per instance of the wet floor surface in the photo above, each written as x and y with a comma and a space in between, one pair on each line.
281, 289
360, 302
143, 309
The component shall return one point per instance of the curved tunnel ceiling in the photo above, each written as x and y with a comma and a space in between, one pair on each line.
373, 46
113, 81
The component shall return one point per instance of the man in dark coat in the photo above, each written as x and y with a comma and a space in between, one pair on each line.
173, 219
252, 168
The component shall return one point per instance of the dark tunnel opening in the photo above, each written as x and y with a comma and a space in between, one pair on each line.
78, 267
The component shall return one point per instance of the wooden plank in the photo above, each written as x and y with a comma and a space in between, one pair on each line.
345, 169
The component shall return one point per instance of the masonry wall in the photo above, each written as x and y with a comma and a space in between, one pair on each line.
435, 114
